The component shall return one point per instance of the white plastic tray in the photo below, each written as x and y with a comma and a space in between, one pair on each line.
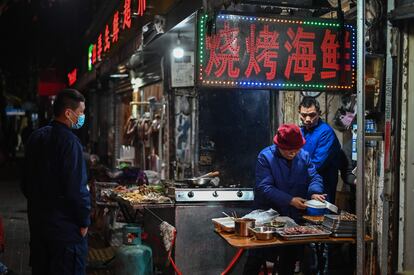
224, 224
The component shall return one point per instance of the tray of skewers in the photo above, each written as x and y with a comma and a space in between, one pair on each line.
303, 232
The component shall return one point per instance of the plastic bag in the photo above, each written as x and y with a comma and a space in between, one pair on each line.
262, 216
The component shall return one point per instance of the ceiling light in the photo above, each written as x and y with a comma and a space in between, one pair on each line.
119, 75
178, 51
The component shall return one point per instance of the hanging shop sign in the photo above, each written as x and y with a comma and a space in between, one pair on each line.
50, 82
72, 76
182, 70
278, 53
11, 111
109, 36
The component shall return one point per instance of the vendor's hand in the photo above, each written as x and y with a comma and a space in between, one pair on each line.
319, 197
298, 203
83, 231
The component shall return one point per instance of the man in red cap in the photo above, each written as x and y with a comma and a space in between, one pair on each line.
285, 179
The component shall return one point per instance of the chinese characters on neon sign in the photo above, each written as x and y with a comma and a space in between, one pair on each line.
255, 52
228, 52
127, 14
107, 42
115, 27
262, 50
142, 6
72, 76
120, 20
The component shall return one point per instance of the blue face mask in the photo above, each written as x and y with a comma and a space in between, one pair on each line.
79, 123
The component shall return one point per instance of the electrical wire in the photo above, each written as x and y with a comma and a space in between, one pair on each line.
177, 271
233, 261
155, 215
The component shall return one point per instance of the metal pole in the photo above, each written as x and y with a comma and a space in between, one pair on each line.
360, 193
391, 46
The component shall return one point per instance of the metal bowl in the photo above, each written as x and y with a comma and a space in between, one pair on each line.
275, 224
263, 232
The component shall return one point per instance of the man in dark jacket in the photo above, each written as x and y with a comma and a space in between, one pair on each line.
285, 179
55, 185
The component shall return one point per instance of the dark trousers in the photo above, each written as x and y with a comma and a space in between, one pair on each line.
55, 258
315, 259
328, 259
284, 258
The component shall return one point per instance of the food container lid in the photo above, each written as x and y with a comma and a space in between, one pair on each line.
315, 204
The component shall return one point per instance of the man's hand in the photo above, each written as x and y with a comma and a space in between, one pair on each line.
319, 197
83, 231
298, 203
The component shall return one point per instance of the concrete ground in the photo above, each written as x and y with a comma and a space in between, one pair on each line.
13, 211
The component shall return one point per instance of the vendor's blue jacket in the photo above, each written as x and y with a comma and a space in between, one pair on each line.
324, 148
55, 184
278, 181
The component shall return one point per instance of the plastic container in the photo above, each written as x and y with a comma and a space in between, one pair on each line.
133, 257
354, 142
315, 208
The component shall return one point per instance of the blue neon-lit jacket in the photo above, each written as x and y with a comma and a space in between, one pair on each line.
324, 148
55, 184
277, 183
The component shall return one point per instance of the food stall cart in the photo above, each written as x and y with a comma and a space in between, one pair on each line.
222, 107
329, 229
244, 243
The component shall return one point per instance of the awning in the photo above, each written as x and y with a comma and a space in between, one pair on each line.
146, 63
402, 12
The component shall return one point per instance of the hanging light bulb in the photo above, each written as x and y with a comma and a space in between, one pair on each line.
178, 51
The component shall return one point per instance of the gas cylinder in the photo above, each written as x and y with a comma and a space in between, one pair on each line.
133, 257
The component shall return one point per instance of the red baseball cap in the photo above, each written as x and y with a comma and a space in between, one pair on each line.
289, 137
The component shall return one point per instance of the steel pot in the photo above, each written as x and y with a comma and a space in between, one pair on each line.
241, 227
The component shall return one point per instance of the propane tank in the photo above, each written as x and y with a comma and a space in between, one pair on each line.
133, 257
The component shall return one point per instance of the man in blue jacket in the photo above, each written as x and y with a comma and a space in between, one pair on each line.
321, 144
285, 179
55, 185
324, 150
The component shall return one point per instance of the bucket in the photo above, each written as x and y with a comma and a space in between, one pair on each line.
131, 234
